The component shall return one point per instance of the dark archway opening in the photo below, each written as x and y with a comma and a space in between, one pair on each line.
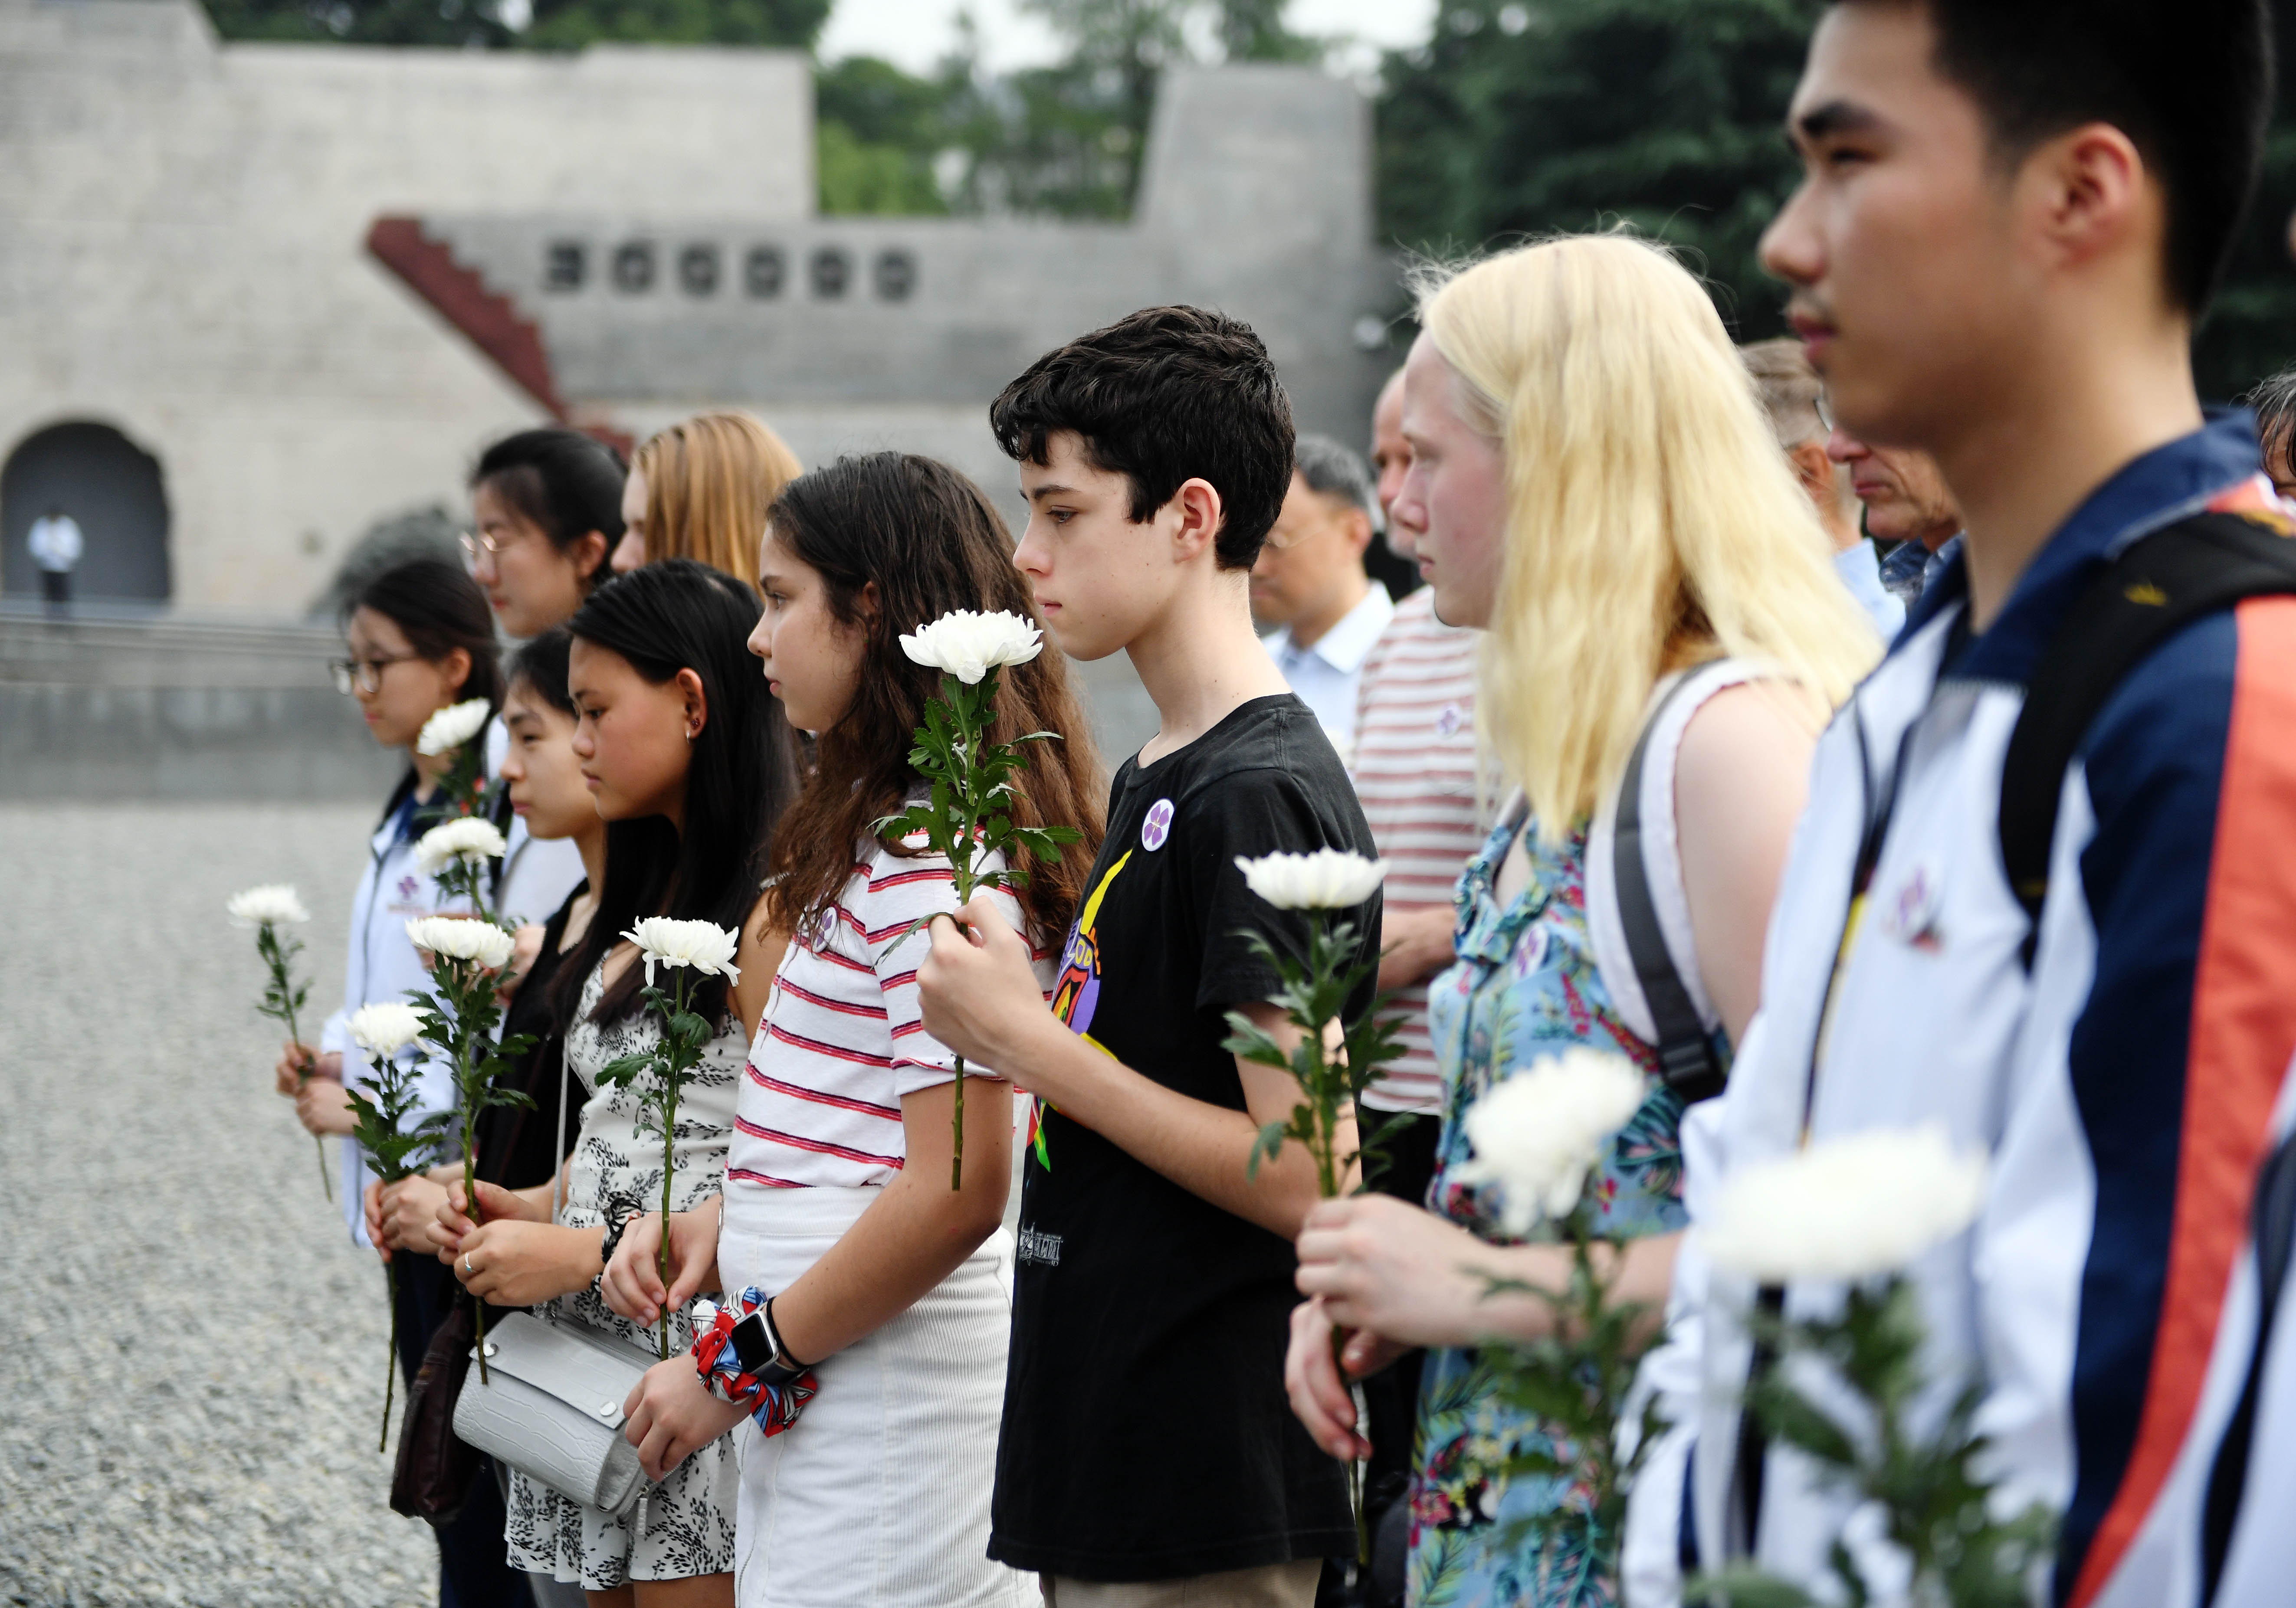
112, 488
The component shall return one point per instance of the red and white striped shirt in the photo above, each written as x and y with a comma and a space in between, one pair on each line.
1415, 772
841, 1039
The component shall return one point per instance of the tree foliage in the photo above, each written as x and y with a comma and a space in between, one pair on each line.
542, 25
1573, 114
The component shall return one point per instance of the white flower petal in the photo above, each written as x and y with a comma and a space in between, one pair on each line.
703, 945
969, 644
452, 726
1540, 1132
1851, 1208
267, 905
385, 1028
472, 840
1330, 879
457, 938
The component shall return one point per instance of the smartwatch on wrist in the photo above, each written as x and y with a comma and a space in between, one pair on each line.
758, 1345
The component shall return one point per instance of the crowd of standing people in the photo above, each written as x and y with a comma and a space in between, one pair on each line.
1691, 749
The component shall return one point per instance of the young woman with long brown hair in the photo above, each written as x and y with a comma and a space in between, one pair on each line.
891, 1287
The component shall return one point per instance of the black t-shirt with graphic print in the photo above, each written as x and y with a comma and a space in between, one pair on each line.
1146, 1434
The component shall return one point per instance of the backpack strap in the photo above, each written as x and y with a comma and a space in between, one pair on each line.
2163, 582
1686, 1058
2273, 1230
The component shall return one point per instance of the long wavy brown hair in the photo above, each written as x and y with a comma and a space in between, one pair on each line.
930, 541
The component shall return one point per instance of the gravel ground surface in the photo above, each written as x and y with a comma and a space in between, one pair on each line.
191, 1353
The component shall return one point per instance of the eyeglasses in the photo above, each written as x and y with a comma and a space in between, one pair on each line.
475, 542
364, 674
1825, 413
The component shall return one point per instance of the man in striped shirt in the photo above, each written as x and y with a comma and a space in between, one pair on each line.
1415, 773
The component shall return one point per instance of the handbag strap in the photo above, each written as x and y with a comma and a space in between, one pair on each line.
1687, 1062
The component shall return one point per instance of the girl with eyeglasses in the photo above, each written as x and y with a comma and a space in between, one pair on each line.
420, 639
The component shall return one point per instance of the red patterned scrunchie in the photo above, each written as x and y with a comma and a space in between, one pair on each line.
774, 1408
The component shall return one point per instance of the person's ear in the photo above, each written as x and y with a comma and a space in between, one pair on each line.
697, 703
1358, 530
2089, 195
870, 603
589, 555
1814, 469
455, 667
1197, 504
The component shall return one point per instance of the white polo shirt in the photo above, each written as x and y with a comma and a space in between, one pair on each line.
1325, 676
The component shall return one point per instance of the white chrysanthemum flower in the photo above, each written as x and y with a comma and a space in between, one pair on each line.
385, 1028
267, 905
457, 938
452, 726
1852, 1208
1330, 879
968, 644
472, 840
1538, 1134
704, 946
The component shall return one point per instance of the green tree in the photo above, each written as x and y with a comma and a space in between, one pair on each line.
570, 24
553, 24
1521, 119
878, 132
2251, 332
445, 23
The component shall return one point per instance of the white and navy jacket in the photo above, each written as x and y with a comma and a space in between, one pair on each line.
2126, 1087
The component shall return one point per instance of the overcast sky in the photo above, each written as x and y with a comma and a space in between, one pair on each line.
916, 33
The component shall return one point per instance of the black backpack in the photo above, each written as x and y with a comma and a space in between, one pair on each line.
2163, 582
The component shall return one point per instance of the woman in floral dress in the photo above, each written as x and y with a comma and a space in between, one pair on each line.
1600, 492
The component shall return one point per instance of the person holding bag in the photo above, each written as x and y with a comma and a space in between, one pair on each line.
838, 1215
691, 765
1598, 492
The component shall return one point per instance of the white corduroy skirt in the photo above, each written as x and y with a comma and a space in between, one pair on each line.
879, 1493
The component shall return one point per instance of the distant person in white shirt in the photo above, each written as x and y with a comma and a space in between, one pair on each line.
1309, 583
56, 545
1794, 398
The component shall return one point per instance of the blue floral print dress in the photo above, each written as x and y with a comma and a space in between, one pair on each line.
1525, 987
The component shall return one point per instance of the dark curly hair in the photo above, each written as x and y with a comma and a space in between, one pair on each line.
1167, 395
932, 542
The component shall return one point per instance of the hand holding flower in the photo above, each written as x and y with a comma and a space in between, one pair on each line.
633, 1282
1321, 1398
514, 1263
670, 1416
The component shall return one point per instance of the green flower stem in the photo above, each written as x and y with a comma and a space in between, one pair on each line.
390, 1370
283, 989
471, 1178
668, 1161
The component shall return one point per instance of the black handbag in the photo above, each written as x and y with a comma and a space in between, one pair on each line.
434, 1471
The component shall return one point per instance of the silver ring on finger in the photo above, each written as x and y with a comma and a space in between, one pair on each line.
466, 1263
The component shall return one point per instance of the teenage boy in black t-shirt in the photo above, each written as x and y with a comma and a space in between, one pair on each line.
1146, 1436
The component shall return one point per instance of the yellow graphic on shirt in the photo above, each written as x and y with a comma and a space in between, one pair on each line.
1075, 996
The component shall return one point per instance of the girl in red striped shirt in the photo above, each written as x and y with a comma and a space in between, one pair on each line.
894, 1290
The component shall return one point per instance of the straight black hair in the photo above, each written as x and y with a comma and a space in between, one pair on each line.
2190, 82
541, 664
1167, 395
568, 483
438, 608
672, 616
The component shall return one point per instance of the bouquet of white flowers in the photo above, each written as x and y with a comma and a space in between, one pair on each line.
1333, 1063
970, 815
395, 1149
1860, 1209
459, 1018
692, 951
266, 909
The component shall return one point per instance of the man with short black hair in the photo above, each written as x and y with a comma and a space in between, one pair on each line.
1310, 584
1149, 1457
2011, 216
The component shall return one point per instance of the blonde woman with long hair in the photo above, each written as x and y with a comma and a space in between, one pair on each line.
700, 489
1601, 497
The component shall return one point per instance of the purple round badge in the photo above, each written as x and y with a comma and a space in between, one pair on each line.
1158, 827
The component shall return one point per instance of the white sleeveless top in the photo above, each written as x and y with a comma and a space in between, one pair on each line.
1662, 856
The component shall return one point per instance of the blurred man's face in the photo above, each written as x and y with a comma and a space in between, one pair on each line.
1390, 455
1901, 245
1905, 493
1311, 568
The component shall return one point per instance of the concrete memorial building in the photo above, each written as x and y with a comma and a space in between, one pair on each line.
256, 298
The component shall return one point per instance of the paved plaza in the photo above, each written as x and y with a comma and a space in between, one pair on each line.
192, 1354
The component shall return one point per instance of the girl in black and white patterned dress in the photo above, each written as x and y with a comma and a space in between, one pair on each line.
691, 763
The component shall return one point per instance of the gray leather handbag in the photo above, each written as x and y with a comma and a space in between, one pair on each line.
551, 1406
551, 1409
